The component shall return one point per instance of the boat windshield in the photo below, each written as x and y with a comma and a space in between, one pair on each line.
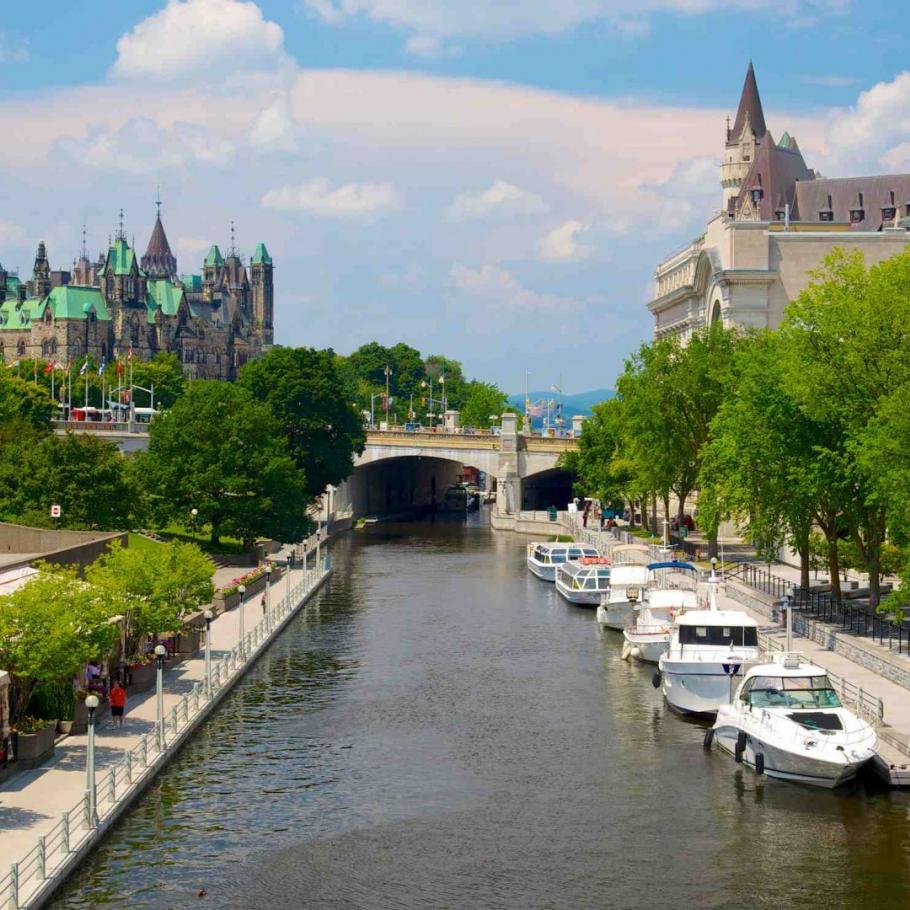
790, 692
745, 636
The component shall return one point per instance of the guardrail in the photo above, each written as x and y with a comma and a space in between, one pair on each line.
101, 426
75, 827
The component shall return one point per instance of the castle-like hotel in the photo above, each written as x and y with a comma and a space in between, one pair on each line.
214, 321
777, 222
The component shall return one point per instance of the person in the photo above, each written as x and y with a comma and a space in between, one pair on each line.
262, 604
118, 702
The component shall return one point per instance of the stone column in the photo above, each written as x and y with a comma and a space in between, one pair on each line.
508, 474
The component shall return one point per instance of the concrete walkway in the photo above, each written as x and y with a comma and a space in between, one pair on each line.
32, 803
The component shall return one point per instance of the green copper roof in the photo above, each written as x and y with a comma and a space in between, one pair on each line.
261, 255
214, 257
120, 258
192, 283
164, 296
12, 284
73, 302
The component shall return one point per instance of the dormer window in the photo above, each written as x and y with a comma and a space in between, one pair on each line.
826, 214
857, 212
890, 210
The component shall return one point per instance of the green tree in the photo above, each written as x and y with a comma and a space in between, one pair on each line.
221, 451
49, 629
163, 373
22, 400
437, 368
153, 588
313, 408
482, 401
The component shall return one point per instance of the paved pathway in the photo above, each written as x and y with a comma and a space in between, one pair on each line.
31, 802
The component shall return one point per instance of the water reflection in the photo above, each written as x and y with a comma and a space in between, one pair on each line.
440, 730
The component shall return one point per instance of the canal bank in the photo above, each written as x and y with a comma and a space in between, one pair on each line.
45, 823
439, 729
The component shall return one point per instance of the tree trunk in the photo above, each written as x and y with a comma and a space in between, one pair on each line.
802, 547
654, 513
681, 511
834, 563
666, 498
214, 537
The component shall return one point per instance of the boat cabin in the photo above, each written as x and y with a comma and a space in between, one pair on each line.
788, 683
717, 628
558, 553
585, 574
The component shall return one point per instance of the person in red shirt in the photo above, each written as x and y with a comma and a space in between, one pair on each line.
118, 703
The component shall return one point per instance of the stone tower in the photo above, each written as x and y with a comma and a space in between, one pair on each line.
41, 276
211, 269
159, 261
743, 139
263, 293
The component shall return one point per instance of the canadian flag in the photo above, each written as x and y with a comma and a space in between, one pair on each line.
49, 368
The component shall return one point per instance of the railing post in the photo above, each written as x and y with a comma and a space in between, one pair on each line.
129, 767
42, 858
87, 812
66, 833
14, 886
144, 746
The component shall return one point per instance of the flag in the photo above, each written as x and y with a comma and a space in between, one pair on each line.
102, 367
535, 410
120, 368
84, 368
49, 368
129, 354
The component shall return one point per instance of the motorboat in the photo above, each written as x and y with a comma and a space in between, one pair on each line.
707, 650
543, 558
458, 498
787, 721
627, 585
584, 581
671, 591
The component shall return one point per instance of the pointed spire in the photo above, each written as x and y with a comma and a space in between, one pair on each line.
158, 201
749, 108
233, 244
84, 247
159, 261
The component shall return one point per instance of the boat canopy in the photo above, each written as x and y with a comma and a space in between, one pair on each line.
673, 564
632, 548
585, 568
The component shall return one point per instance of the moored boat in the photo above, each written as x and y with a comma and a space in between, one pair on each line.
627, 585
584, 581
543, 558
787, 721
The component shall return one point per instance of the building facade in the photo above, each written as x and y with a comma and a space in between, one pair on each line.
778, 220
214, 321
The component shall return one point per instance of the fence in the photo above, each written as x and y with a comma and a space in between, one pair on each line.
859, 618
75, 827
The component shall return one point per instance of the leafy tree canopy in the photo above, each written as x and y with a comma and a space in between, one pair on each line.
482, 401
22, 400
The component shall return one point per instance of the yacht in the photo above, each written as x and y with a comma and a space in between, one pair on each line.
543, 558
787, 721
627, 584
671, 592
584, 581
707, 649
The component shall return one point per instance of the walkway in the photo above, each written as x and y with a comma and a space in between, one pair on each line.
49, 802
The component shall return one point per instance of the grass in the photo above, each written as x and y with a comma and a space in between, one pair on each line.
140, 542
227, 545
563, 538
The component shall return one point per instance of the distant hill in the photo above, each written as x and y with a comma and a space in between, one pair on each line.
579, 403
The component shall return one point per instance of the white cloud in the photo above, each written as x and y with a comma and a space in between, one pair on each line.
141, 146
274, 128
508, 18
690, 193
359, 201
11, 50
423, 46
501, 200
193, 37
495, 285
562, 243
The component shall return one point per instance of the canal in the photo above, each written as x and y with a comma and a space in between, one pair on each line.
439, 730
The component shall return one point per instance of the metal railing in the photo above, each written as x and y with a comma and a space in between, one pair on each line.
74, 827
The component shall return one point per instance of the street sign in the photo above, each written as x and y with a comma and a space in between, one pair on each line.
731, 669
55, 511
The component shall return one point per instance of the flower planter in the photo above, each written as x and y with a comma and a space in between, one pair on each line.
64, 727
33, 749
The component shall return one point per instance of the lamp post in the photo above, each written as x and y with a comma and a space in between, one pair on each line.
306, 568
160, 654
318, 536
287, 580
242, 590
208, 616
91, 703
195, 514
268, 597
713, 568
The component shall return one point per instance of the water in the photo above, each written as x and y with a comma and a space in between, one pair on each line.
440, 730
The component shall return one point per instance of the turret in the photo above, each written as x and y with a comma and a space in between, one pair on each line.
742, 139
41, 276
263, 292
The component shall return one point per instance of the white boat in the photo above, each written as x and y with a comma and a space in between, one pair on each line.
584, 581
787, 721
671, 591
707, 649
627, 585
543, 558
631, 554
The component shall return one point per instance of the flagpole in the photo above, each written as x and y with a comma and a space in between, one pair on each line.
53, 367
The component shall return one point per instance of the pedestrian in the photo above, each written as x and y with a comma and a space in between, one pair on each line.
118, 702
262, 604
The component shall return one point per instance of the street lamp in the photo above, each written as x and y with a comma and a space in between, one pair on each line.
195, 514
160, 654
287, 580
713, 568
318, 535
208, 616
242, 590
91, 703
268, 597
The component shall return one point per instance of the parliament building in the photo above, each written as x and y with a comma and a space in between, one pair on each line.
104, 308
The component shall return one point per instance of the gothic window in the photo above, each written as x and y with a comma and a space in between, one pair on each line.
134, 331
716, 313
48, 315
49, 347
20, 348
104, 350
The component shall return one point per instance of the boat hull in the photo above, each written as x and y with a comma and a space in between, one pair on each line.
786, 764
579, 598
615, 615
544, 573
647, 646
698, 689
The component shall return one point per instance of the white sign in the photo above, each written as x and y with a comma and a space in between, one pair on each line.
55, 511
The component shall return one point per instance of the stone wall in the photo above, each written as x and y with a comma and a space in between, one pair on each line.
58, 547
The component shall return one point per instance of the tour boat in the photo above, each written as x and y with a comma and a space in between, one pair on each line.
627, 584
584, 581
671, 591
707, 649
543, 558
786, 721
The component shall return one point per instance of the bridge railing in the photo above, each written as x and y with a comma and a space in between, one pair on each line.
101, 426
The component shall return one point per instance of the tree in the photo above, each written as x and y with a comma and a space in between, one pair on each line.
163, 373
438, 367
308, 398
221, 451
49, 629
154, 588
84, 475
22, 400
482, 401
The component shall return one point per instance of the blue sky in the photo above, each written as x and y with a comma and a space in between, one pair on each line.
491, 181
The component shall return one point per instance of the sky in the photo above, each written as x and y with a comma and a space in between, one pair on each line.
491, 181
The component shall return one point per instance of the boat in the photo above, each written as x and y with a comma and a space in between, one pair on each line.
584, 581
671, 591
543, 558
787, 721
707, 649
627, 584
458, 498
631, 554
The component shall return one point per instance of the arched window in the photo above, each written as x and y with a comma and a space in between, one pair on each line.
20, 348
716, 315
